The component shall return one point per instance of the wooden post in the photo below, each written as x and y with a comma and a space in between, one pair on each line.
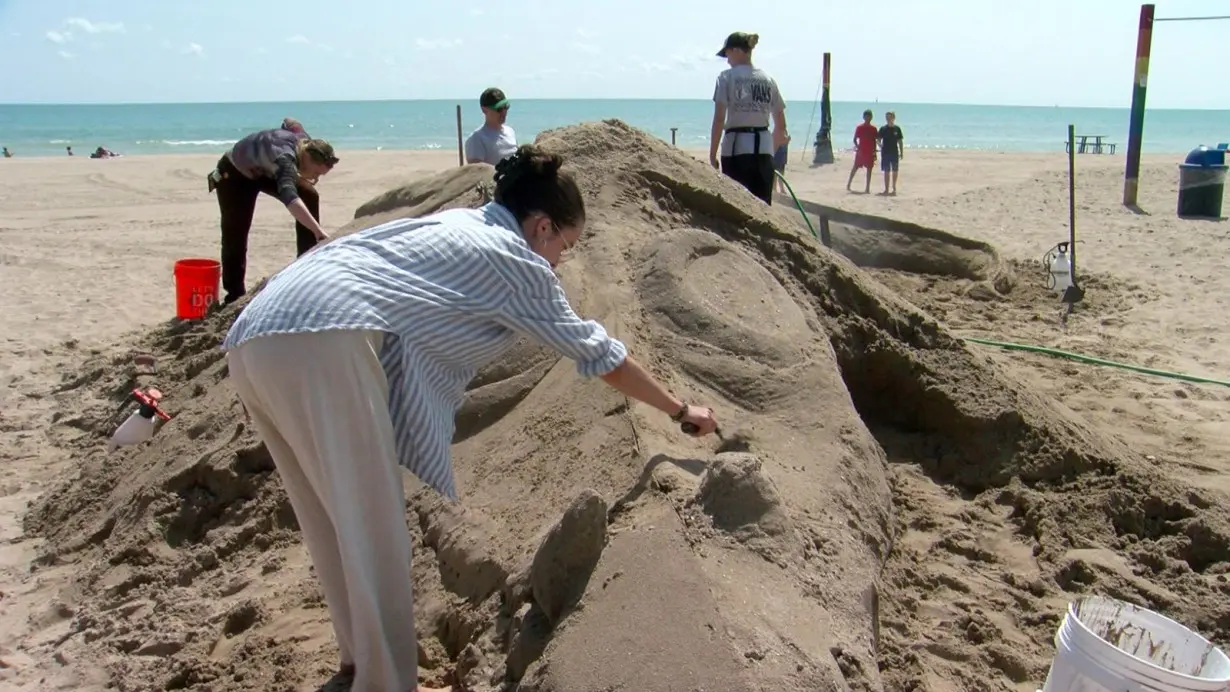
1136, 126
1072, 200
461, 157
1074, 293
673, 129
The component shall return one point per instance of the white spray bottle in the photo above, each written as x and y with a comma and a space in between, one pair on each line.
1061, 270
139, 426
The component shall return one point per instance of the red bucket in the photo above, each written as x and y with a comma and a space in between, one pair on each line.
196, 287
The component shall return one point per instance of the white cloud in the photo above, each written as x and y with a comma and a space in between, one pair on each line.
193, 49
690, 61
66, 55
654, 67
437, 43
587, 48
546, 73
301, 40
64, 35
95, 27
587, 34
477, 12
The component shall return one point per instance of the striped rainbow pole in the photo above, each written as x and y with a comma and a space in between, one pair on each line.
1136, 128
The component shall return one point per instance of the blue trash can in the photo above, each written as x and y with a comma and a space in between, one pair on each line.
1202, 183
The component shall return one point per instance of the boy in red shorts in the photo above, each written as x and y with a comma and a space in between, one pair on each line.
865, 136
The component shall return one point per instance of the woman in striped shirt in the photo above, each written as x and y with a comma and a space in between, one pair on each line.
355, 358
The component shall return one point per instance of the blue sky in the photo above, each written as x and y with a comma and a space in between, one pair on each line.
1012, 52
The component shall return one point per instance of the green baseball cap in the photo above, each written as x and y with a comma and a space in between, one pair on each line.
494, 99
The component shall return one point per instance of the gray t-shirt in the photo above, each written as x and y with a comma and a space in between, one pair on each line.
751, 97
491, 145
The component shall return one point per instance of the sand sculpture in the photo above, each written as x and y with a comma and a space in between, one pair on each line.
598, 549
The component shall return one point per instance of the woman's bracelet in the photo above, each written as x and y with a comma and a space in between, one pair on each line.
678, 416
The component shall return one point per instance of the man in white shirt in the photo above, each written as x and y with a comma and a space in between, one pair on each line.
494, 140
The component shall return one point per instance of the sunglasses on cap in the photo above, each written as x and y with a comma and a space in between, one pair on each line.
330, 160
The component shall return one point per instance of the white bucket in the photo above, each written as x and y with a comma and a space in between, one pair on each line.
1105, 645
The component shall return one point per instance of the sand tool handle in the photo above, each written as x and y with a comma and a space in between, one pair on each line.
691, 428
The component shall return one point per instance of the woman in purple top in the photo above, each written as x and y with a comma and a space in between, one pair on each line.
284, 163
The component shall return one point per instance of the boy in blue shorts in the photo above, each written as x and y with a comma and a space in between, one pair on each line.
892, 150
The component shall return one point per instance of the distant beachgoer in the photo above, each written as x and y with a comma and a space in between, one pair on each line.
744, 100
892, 150
779, 164
7, 154
102, 153
280, 163
865, 136
69, 150
353, 361
494, 140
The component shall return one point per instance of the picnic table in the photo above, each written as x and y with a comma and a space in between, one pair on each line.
1092, 144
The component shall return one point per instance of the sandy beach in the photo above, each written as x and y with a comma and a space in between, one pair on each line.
87, 248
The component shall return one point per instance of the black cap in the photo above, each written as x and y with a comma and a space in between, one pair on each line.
739, 39
493, 98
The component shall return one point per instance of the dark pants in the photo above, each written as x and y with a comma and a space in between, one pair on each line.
237, 202
753, 171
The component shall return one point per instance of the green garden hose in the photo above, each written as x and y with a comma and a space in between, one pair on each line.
1097, 361
1043, 349
797, 203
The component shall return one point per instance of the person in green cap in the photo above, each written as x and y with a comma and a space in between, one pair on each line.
495, 140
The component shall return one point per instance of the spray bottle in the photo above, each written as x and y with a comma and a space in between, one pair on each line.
139, 426
1059, 269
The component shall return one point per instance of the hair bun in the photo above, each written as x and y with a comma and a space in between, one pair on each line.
527, 160
542, 163
753, 40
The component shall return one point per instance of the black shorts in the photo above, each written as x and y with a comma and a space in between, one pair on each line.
752, 171
889, 161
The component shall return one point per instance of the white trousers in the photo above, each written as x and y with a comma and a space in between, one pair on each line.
320, 403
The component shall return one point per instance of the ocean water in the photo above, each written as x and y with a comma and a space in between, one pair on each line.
45, 130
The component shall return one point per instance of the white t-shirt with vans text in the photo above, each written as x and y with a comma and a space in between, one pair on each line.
751, 97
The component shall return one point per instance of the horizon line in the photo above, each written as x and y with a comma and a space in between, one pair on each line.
608, 98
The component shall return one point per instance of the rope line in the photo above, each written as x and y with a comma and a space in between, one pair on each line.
814, 102
1191, 19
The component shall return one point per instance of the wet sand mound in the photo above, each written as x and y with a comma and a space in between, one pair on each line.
597, 548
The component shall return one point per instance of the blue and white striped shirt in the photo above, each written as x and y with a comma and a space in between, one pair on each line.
450, 292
